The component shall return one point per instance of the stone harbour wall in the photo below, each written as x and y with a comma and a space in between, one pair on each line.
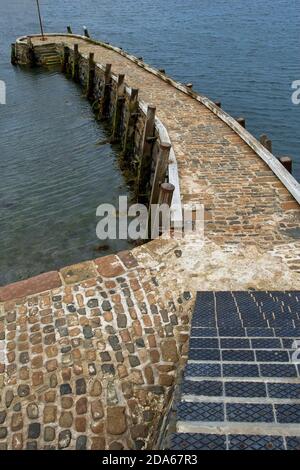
90, 356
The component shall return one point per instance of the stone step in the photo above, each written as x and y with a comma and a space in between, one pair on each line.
52, 61
49, 55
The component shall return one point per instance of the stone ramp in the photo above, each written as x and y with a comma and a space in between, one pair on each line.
241, 386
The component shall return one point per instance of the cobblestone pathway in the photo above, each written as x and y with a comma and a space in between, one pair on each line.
88, 365
241, 387
244, 201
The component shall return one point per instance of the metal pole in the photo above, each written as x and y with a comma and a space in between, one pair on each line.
40, 18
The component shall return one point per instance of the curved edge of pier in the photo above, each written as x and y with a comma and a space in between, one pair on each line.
90, 356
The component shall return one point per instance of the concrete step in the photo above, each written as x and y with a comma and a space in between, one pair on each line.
238, 427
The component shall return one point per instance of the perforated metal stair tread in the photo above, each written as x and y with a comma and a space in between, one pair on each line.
241, 385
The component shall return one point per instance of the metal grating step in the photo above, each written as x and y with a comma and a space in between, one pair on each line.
190, 441
241, 386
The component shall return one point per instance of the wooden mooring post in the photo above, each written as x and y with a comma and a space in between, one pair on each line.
105, 98
266, 142
69, 30
242, 122
146, 154
75, 68
118, 108
160, 171
13, 57
90, 77
86, 32
31, 55
65, 60
132, 115
287, 162
157, 218
166, 194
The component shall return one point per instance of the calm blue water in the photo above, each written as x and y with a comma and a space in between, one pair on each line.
242, 52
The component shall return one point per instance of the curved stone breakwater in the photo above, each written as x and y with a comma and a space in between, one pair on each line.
90, 356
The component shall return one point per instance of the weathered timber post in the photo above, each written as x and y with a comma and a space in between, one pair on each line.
218, 103
30, 55
118, 108
86, 32
69, 30
104, 100
263, 139
160, 171
166, 194
91, 76
242, 122
75, 69
65, 61
266, 142
269, 145
287, 162
132, 114
157, 218
13, 57
146, 154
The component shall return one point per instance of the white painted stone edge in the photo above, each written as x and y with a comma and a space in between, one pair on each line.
176, 209
277, 168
